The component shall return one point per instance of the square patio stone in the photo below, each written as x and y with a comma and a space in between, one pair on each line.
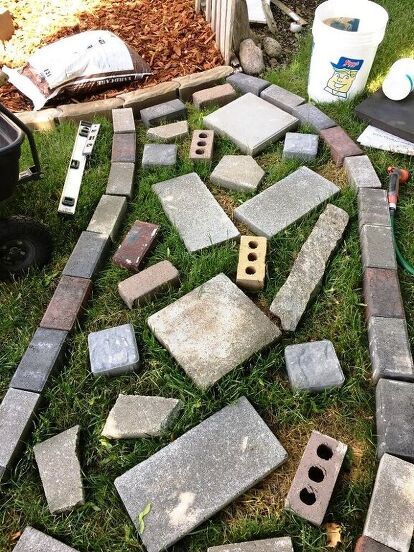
237, 172
251, 123
300, 146
159, 155
212, 329
113, 351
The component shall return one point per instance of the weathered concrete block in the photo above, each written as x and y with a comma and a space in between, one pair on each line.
340, 144
60, 471
67, 303
43, 120
251, 268
121, 179
149, 96
365, 544
212, 329
136, 245
281, 97
87, 111
202, 143
217, 95
159, 155
377, 247
361, 173
35, 541
310, 115
237, 172
309, 267
313, 366
108, 215
390, 349
142, 287
373, 207
43, 355
315, 479
300, 146
285, 202
168, 133
87, 255
382, 293
135, 416
123, 120
124, 148
171, 111
390, 518
283, 544
113, 351
246, 84
241, 451
188, 84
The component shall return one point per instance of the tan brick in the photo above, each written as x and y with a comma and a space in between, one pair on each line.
198, 81
251, 270
89, 110
202, 143
218, 95
152, 95
44, 119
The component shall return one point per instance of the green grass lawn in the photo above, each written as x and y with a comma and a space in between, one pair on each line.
75, 397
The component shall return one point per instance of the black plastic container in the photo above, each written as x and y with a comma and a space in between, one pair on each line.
11, 138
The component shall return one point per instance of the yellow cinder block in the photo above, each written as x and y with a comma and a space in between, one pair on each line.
251, 269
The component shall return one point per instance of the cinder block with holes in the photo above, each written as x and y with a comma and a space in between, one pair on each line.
202, 145
315, 479
251, 269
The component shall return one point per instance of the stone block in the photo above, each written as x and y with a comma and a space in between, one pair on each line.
315, 479
121, 179
142, 287
87, 255
251, 123
168, 133
361, 173
217, 95
123, 120
212, 329
171, 111
195, 485
283, 544
16, 413
67, 303
395, 414
60, 471
390, 519
32, 540
309, 267
43, 355
280, 97
308, 114
245, 84
124, 148
192, 209
340, 144
159, 155
87, 111
285, 202
150, 95
382, 293
237, 172
373, 207
108, 216
300, 146
202, 143
365, 544
135, 416
251, 268
43, 120
377, 247
313, 366
188, 84
136, 245
390, 349
113, 351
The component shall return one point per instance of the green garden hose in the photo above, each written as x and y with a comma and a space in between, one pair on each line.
400, 258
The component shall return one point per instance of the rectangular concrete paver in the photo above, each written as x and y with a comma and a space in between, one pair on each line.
174, 110
283, 544
217, 95
192, 209
365, 544
202, 471
136, 245
382, 293
340, 144
123, 120
245, 84
108, 215
168, 133
308, 114
33, 540
188, 84
159, 155
373, 207
124, 148
212, 329
87, 255
113, 351
121, 179
377, 247
361, 173
280, 97
300, 146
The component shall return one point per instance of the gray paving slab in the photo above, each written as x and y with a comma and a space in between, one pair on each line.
283, 544
246, 83
43, 355
60, 471
300, 146
159, 155
113, 351
360, 172
108, 216
251, 123
212, 329
373, 207
285, 202
202, 471
313, 366
377, 247
281, 97
390, 519
87, 255
308, 114
237, 172
192, 209
168, 133
123, 120
33, 540
121, 179
174, 110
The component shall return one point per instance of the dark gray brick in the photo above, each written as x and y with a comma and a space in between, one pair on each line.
377, 247
121, 179
246, 83
87, 255
174, 110
282, 98
373, 207
382, 293
124, 148
309, 114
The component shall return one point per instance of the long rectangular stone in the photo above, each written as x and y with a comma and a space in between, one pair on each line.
283, 544
285, 202
168, 133
202, 471
136, 245
390, 519
174, 110
377, 247
382, 293
124, 147
123, 120
373, 207
281, 97
245, 84
86, 111
361, 173
309, 267
340, 144
308, 114
108, 216
192, 209
87, 255
150, 95
43, 355
121, 179
33, 540
217, 95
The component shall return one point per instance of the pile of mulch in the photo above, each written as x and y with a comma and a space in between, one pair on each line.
169, 35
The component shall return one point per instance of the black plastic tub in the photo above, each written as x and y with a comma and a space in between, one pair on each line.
11, 138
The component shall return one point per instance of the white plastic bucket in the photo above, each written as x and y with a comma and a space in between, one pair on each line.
342, 60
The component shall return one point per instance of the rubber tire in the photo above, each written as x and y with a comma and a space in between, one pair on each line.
36, 238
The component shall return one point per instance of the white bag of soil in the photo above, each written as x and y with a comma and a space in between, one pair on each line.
79, 64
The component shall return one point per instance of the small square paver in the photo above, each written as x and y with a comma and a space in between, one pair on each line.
361, 173
309, 115
212, 329
382, 293
281, 97
113, 351
300, 146
33, 540
87, 255
340, 144
245, 84
373, 208
313, 366
237, 172
159, 155
251, 123
282, 544
121, 179
174, 110
168, 133
377, 247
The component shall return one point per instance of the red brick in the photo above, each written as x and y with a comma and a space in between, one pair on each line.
218, 95
201, 148
340, 144
67, 302
136, 245
123, 148
382, 293
365, 544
